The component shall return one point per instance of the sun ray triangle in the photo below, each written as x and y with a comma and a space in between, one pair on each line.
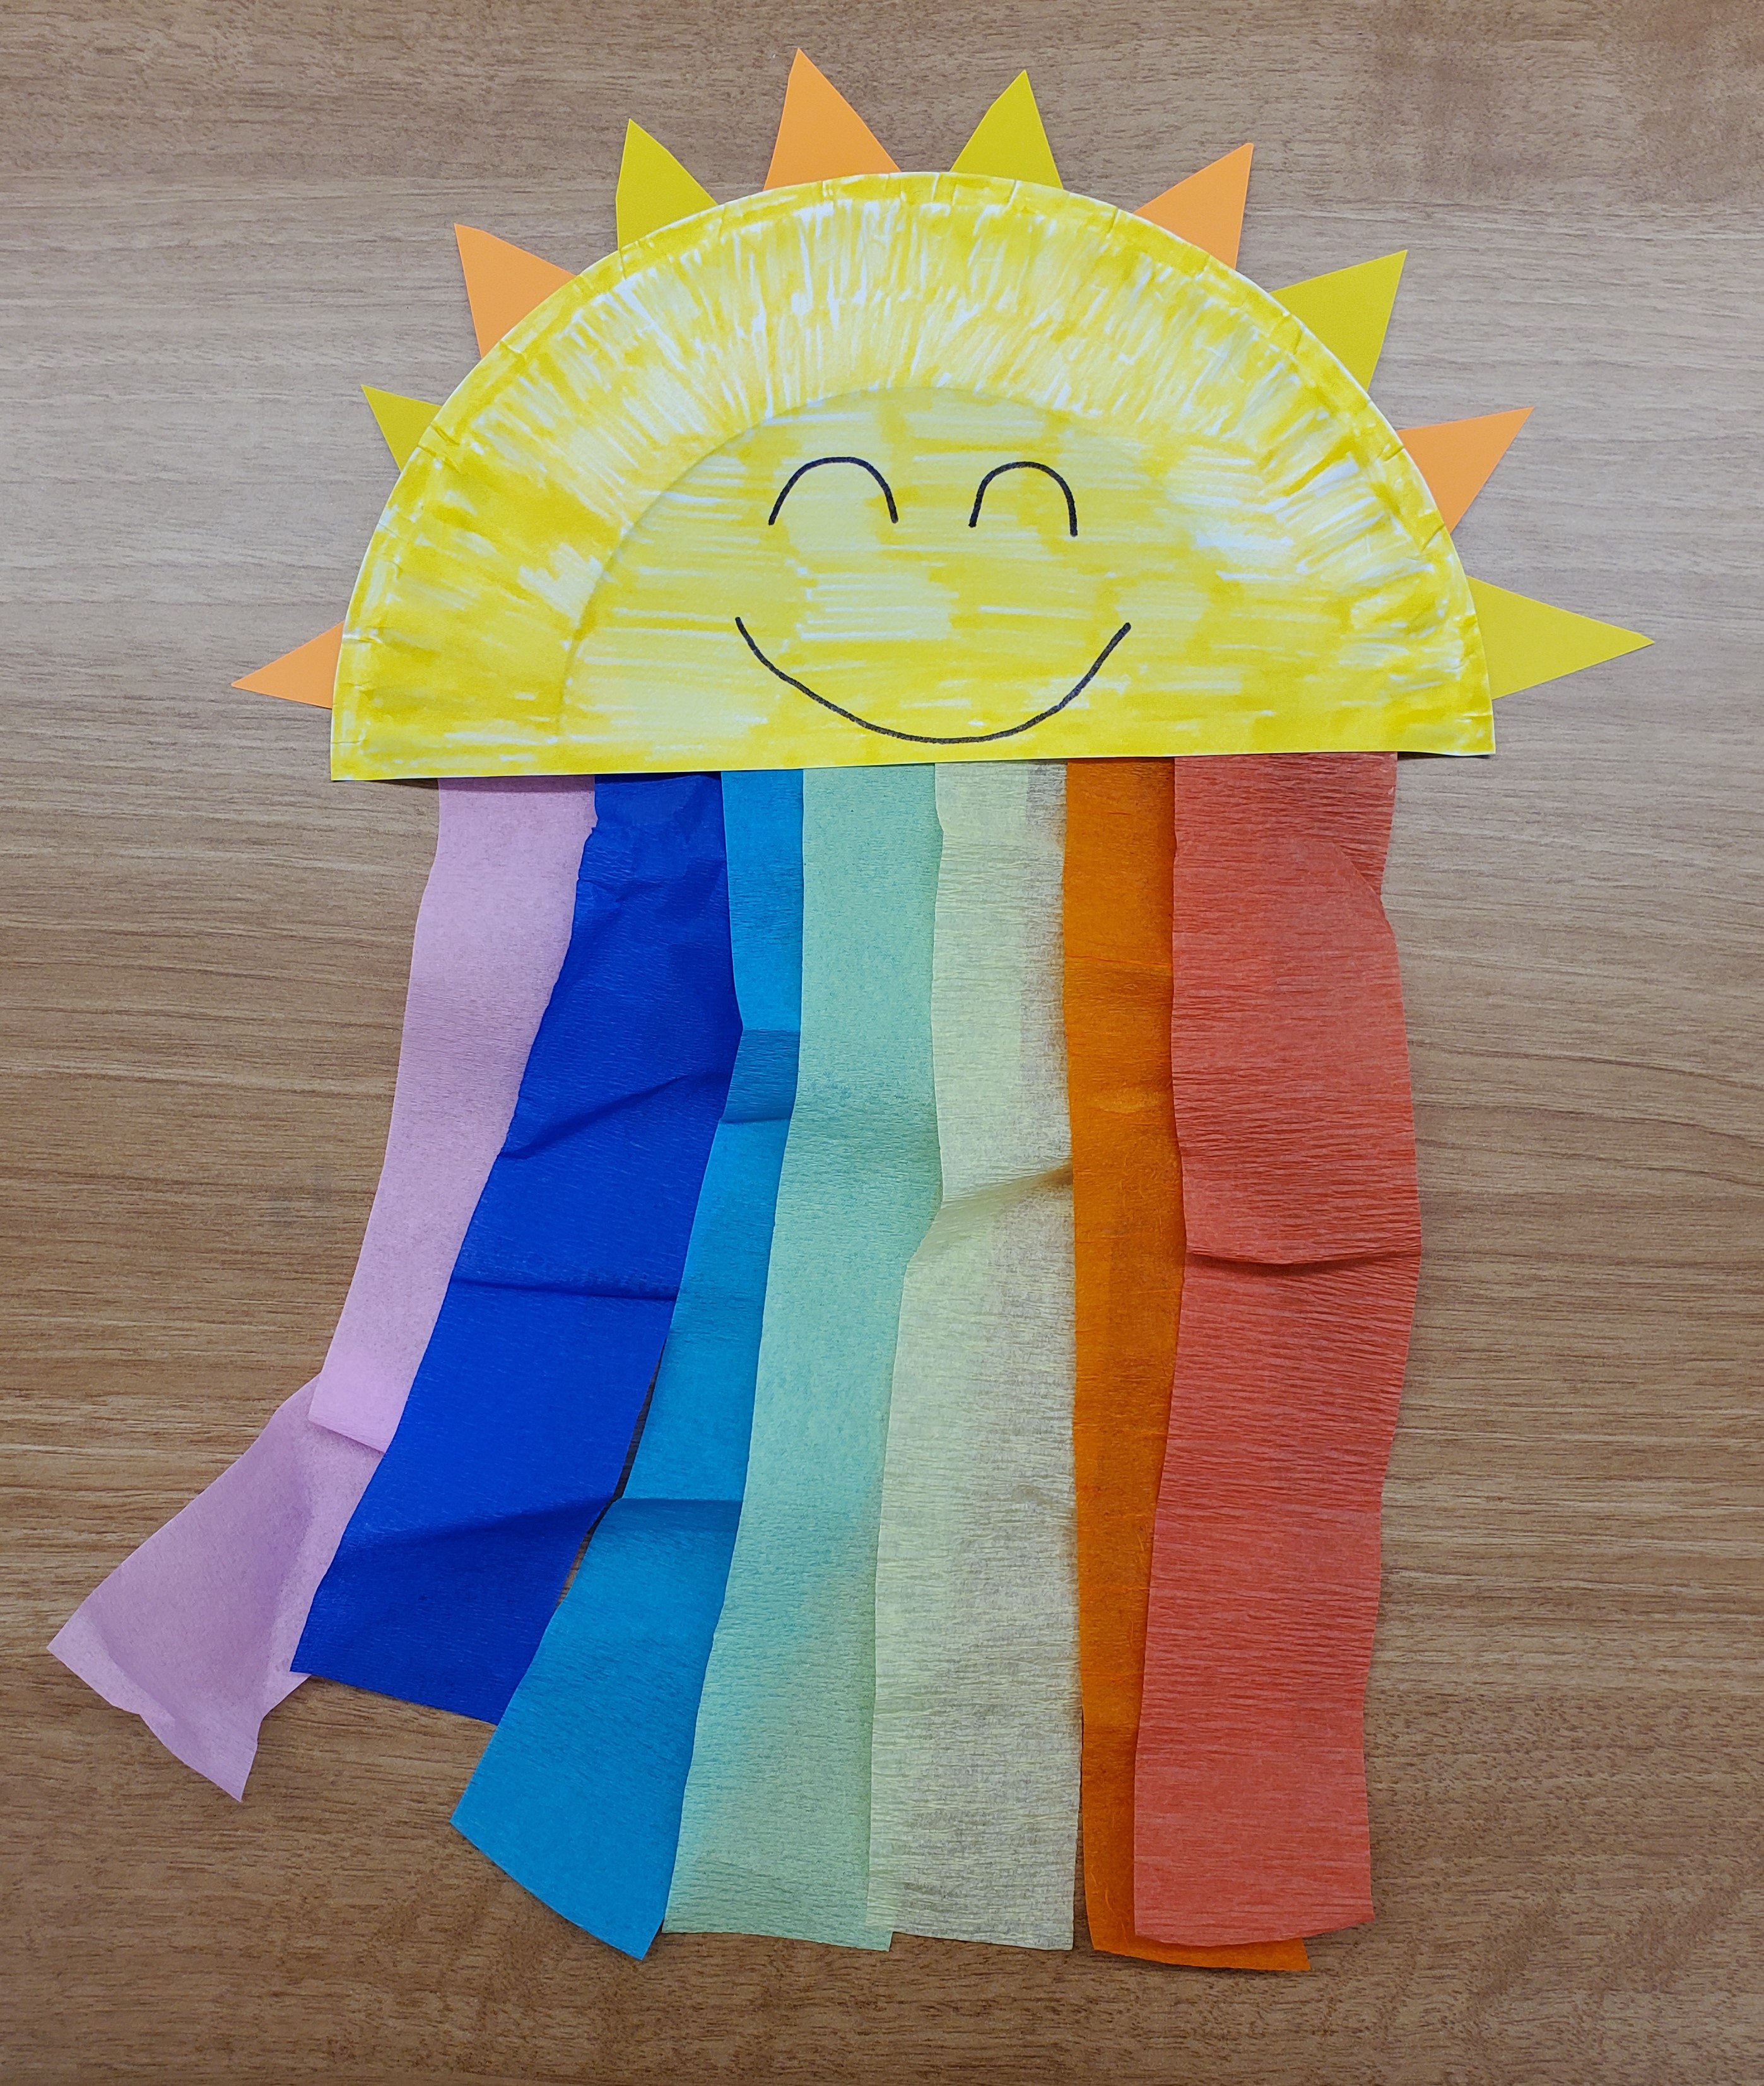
1528, 641
306, 675
1010, 140
1457, 458
820, 136
1350, 310
655, 189
401, 420
1206, 210
503, 283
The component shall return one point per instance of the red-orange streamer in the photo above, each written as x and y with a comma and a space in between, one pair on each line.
1128, 1198
1292, 1105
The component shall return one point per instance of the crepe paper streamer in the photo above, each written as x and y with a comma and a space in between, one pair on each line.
490, 934
503, 283
306, 675
775, 1832
1457, 458
1010, 140
1126, 1183
1206, 210
820, 136
193, 1632
578, 1795
399, 419
517, 1429
653, 188
1350, 310
973, 1808
1290, 1081
1529, 642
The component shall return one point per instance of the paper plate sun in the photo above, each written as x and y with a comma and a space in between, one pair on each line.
993, 620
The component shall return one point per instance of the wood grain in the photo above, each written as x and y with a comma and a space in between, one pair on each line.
219, 219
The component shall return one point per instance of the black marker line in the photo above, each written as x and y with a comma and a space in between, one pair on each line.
862, 464
926, 738
1027, 463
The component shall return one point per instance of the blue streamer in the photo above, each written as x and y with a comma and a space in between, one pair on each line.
520, 1420
578, 1794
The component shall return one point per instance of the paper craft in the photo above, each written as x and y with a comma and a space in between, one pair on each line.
579, 1794
1206, 208
1126, 1182
925, 485
1456, 457
490, 934
517, 1429
193, 1633
1302, 1241
654, 188
503, 283
820, 136
400, 419
973, 1809
775, 1835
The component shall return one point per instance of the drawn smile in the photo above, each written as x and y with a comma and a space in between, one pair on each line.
931, 738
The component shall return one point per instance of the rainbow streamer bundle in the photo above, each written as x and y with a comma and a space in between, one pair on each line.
880, 1330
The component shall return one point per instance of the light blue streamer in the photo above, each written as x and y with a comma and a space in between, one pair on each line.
578, 1794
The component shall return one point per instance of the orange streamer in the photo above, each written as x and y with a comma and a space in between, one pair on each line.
1128, 1198
1290, 1080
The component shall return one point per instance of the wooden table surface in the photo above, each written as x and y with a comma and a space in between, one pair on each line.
219, 218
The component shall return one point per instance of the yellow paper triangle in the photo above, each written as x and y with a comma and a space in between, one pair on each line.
306, 675
1009, 140
655, 189
503, 283
1206, 210
1528, 641
820, 136
1350, 310
401, 420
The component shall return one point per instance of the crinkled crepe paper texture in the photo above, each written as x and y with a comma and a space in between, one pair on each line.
195, 1632
517, 1427
974, 1809
578, 1794
775, 1834
1332, 611
1290, 1082
1127, 1190
490, 934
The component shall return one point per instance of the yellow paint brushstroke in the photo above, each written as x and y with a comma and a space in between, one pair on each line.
1529, 642
1241, 504
654, 188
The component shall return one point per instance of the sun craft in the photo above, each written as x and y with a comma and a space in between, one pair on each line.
973, 1110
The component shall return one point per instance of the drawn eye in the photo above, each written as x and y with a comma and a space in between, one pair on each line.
802, 470
1026, 463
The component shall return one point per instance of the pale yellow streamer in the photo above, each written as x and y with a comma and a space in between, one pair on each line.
974, 1751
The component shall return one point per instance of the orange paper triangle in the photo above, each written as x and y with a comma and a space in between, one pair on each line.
1456, 457
503, 283
1206, 210
306, 675
820, 136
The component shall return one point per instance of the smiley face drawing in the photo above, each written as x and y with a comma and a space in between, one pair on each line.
1051, 601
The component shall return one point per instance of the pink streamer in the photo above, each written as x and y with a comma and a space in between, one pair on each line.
194, 1631
490, 939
